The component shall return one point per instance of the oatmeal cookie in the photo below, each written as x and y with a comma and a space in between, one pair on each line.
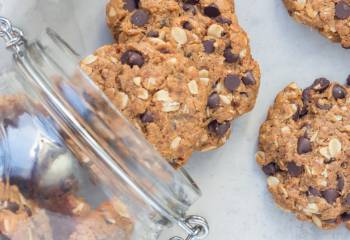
304, 150
205, 32
158, 90
330, 17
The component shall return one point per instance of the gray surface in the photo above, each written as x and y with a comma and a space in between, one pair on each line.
235, 199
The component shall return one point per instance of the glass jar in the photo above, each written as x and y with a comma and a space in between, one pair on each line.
72, 167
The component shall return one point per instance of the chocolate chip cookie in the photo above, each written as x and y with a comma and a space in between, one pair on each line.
205, 32
304, 151
158, 90
330, 17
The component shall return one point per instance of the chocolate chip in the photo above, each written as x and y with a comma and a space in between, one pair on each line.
187, 25
340, 183
347, 200
222, 20
344, 165
348, 81
345, 217
132, 58
323, 106
212, 11
338, 92
306, 95
294, 170
192, 2
131, 5
68, 184
13, 207
320, 84
249, 79
328, 161
213, 100
153, 34
209, 46
270, 169
235, 103
140, 18
164, 50
28, 211
219, 129
330, 195
147, 117
304, 145
342, 10
189, 8
300, 113
229, 56
232, 82
314, 192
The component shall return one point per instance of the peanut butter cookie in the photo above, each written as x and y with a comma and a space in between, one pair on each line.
304, 150
330, 17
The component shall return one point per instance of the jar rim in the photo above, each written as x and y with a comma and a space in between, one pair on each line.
168, 202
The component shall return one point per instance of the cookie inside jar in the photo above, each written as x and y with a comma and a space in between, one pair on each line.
46, 192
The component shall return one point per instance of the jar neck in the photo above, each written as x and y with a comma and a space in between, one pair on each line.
82, 112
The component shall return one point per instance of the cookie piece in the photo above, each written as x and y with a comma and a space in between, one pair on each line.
304, 150
330, 17
207, 33
69, 204
20, 217
158, 90
106, 222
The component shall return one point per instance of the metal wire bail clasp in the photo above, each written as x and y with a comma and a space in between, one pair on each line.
196, 227
12, 36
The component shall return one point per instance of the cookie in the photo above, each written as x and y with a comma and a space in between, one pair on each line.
304, 151
158, 90
106, 222
207, 33
330, 17
19, 216
65, 213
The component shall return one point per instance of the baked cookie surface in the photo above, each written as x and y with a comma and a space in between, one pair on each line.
206, 33
330, 17
159, 91
304, 150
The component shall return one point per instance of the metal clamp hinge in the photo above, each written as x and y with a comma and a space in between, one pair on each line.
196, 227
12, 36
